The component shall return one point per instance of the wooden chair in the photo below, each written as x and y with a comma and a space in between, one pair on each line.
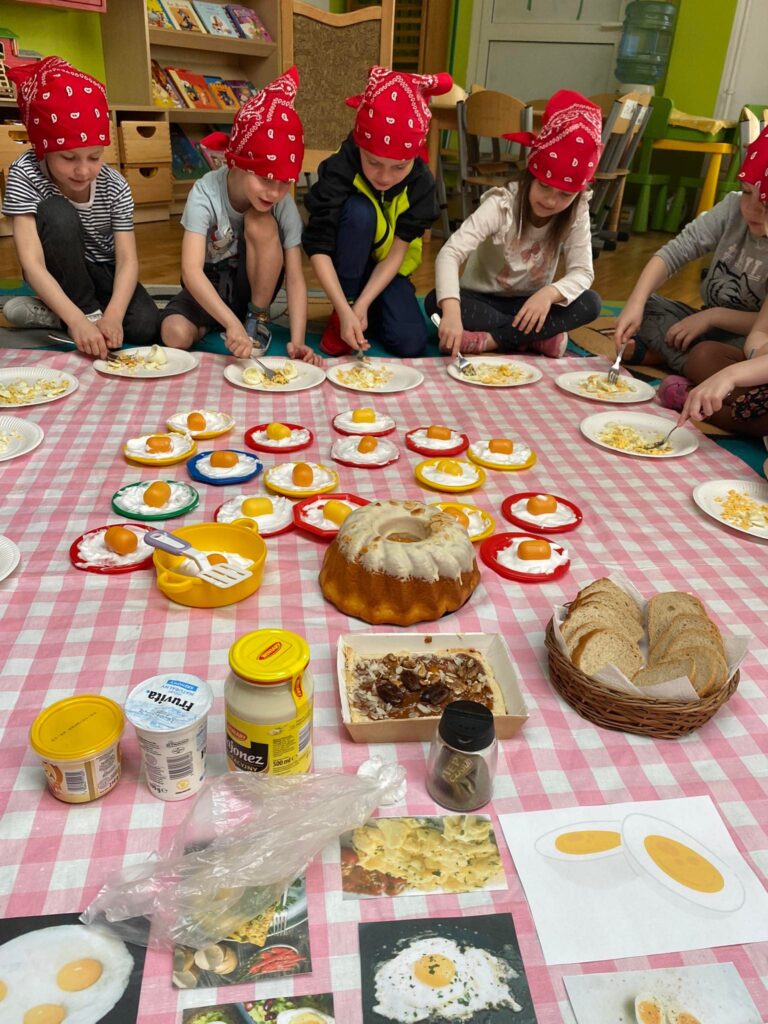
483, 118
333, 53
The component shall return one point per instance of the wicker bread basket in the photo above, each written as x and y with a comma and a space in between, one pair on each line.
662, 719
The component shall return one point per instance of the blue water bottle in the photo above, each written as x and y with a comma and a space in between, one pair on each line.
645, 42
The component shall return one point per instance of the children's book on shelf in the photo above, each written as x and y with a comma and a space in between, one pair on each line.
165, 92
194, 89
187, 161
248, 23
215, 19
157, 16
242, 88
183, 16
222, 93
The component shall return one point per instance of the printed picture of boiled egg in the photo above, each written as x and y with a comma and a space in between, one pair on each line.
67, 974
164, 449
301, 1015
678, 864
449, 474
653, 1009
272, 515
156, 499
435, 439
201, 423
524, 558
546, 513
363, 421
224, 466
301, 479
366, 450
478, 523
277, 436
323, 516
502, 453
112, 549
582, 841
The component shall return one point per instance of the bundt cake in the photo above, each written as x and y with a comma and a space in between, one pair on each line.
399, 562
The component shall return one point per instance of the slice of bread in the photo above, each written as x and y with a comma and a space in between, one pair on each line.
599, 648
680, 623
680, 668
662, 608
600, 610
677, 644
711, 670
576, 634
619, 596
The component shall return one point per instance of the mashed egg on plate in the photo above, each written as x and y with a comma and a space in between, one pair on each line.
67, 974
437, 977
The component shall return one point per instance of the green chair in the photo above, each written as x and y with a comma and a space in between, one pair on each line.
655, 128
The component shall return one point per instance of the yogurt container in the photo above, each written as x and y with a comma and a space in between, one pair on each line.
170, 715
78, 741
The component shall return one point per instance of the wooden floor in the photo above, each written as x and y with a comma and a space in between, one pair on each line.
159, 246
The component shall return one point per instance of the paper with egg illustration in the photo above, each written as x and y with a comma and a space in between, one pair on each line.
56, 969
634, 879
701, 994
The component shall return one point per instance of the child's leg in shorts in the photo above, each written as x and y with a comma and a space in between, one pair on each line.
184, 321
141, 323
396, 320
63, 241
745, 411
660, 314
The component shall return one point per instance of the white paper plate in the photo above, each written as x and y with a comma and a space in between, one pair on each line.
535, 373
308, 376
10, 556
33, 373
570, 382
179, 361
403, 378
30, 436
683, 441
705, 495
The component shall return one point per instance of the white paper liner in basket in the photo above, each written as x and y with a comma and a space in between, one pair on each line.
674, 689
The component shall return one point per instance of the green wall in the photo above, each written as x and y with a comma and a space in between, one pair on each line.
73, 35
698, 54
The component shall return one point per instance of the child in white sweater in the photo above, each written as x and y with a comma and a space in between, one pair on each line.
509, 299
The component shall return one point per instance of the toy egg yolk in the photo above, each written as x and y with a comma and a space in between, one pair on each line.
534, 550
434, 970
157, 494
336, 511
363, 416
541, 504
79, 974
449, 466
683, 865
120, 540
45, 1013
302, 475
196, 421
437, 433
216, 559
587, 841
159, 443
367, 444
257, 507
501, 445
458, 515
224, 458
278, 431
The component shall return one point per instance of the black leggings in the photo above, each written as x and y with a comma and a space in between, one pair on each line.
482, 311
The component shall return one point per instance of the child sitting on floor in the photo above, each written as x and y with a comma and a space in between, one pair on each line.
242, 232
372, 202
509, 299
73, 216
733, 290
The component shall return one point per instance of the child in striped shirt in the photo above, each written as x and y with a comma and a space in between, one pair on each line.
73, 216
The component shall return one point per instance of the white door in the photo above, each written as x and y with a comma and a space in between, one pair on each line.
745, 80
532, 53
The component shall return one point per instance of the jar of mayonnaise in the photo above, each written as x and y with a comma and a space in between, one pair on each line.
268, 697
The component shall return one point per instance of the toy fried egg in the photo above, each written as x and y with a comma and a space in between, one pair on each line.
153, 498
451, 472
300, 477
436, 437
501, 451
680, 864
280, 435
67, 974
474, 520
112, 546
438, 977
225, 464
364, 451
200, 422
582, 841
271, 514
532, 555
149, 447
363, 421
543, 510
327, 513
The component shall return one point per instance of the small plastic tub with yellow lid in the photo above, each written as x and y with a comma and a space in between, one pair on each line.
78, 741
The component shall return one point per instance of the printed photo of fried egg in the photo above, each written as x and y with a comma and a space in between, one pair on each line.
69, 974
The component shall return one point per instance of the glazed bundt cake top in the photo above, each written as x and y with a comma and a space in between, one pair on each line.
406, 539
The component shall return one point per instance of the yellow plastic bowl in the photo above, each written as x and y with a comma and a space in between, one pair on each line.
241, 540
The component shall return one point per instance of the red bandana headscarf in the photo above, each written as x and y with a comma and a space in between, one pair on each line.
754, 170
566, 152
61, 107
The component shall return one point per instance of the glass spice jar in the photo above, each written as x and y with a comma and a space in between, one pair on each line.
462, 757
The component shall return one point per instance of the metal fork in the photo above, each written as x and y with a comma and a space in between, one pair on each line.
464, 365
269, 374
613, 373
663, 441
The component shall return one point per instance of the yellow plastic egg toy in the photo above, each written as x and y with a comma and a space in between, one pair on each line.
501, 445
278, 431
363, 416
336, 511
157, 494
302, 475
367, 444
159, 443
438, 433
449, 466
541, 504
458, 515
534, 550
196, 422
120, 540
225, 459
257, 507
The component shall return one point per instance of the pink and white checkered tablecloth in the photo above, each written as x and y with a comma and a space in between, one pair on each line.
64, 632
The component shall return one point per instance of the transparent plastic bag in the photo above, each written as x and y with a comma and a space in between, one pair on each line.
245, 839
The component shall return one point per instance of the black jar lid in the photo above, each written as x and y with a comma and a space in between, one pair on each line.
467, 725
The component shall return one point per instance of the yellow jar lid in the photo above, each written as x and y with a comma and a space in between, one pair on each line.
77, 728
268, 656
